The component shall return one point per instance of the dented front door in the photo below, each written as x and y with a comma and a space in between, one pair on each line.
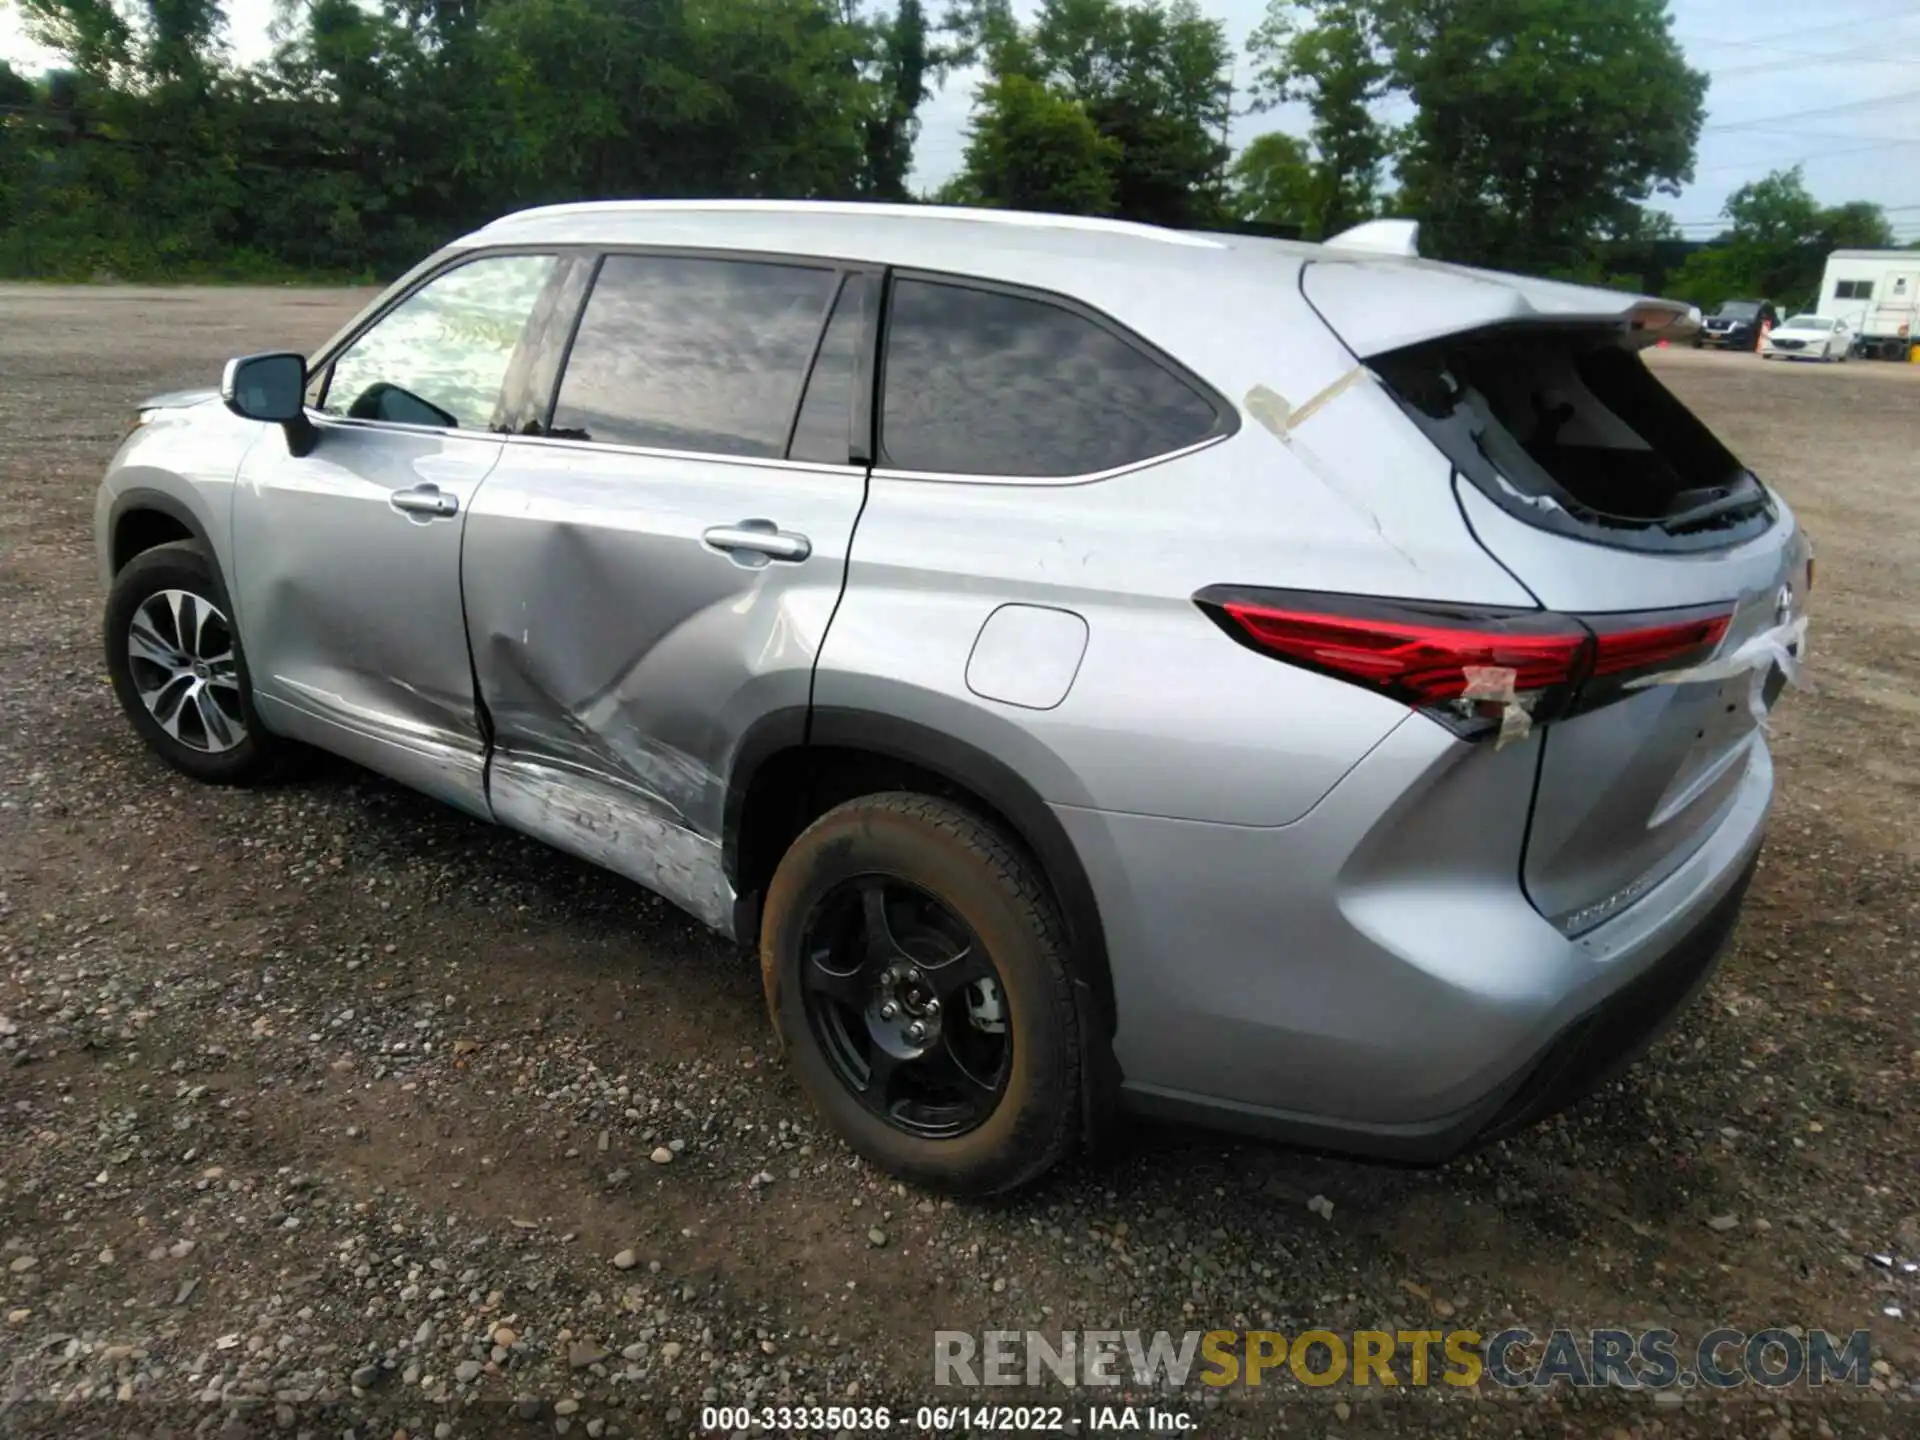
654, 572
347, 553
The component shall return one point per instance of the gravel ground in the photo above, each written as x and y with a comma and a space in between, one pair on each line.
327, 1110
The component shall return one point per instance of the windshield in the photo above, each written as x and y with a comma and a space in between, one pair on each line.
1740, 309
1809, 322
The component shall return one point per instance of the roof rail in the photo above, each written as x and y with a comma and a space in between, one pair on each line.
857, 209
1380, 237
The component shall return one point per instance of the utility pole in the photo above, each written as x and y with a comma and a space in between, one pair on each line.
1226, 137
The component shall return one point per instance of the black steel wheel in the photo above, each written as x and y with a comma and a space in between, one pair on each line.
917, 973
904, 1001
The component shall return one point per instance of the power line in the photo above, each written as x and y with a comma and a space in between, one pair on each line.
1757, 131
1907, 12
1765, 122
1802, 159
1861, 55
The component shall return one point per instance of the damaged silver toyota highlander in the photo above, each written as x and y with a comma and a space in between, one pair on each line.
1310, 690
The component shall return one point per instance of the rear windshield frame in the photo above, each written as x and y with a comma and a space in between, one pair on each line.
1729, 511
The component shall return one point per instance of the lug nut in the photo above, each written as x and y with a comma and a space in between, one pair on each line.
889, 1010
933, 1007
916, 1031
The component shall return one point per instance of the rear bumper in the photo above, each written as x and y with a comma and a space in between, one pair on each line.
1607, 1039
1372, 979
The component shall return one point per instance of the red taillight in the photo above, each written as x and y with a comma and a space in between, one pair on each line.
1421, 661
1639, 648
1462, 664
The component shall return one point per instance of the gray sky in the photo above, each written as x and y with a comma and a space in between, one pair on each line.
1832, 86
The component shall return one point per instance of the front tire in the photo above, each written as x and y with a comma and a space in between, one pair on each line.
178, 669
916, 973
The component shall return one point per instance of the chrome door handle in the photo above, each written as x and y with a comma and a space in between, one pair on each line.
758, 537
425, 500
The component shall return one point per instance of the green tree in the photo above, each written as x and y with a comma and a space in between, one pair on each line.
93, 34
16, 90
1275, 182
182, 39
1152, 79
1777, 242
379, 128
1540, 126
1856, 225
1328, 55
1031, 148
903, 60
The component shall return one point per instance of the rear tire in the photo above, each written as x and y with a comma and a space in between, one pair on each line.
838, 1003
178, 668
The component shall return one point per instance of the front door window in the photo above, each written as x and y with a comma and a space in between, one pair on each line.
440, 357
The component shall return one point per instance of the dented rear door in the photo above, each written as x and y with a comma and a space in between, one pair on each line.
656, 569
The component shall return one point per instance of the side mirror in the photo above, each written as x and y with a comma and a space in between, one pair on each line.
271, 388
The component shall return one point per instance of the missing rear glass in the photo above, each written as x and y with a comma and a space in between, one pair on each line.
1568, 430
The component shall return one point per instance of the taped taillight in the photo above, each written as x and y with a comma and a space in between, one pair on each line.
1637, 647
1478, 670
1463, 665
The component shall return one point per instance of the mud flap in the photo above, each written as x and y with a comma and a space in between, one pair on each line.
1100, 1075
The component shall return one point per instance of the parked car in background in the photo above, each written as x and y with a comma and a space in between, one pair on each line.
1077, 696
1737, 324
1808, 337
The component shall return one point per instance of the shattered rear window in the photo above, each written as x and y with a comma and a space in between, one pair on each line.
1569, 430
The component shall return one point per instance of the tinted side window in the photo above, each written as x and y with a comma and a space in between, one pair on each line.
822, 432
984, 383
440, 356
692, 354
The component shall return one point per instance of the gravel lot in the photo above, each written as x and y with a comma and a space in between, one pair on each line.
326, 1109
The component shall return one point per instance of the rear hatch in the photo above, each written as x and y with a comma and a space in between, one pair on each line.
1607, 499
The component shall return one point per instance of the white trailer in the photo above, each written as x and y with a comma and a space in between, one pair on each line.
1877, 292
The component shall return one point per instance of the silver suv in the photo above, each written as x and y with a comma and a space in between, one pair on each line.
1310, 690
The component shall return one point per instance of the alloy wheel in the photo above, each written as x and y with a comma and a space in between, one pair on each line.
180, 652
906, 1006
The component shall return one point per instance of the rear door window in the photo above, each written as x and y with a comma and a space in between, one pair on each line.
694, 354
985, 382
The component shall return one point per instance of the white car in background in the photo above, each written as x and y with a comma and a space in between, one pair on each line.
1808, 337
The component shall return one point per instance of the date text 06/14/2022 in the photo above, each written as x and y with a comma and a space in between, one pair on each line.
947, 1419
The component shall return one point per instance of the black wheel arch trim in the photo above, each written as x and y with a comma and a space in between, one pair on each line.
141, 497
973, 770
